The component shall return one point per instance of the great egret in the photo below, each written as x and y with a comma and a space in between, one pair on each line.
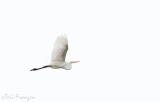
58, 55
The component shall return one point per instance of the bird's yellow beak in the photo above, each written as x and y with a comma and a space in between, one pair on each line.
75, 61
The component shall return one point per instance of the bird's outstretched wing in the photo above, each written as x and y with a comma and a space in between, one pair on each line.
60, 49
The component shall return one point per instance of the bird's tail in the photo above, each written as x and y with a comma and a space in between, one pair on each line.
34, 69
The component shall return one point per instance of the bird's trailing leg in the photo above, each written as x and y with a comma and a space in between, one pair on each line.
34, 69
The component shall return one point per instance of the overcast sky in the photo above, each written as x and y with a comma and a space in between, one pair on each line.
117, 42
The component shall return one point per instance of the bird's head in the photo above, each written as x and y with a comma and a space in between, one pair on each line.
74, 61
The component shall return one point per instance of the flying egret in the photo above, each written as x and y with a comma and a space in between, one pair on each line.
58, 55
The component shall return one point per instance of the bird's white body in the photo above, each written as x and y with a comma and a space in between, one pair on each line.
58, 64
59, 54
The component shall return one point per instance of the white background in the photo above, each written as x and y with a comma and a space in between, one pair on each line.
117, 42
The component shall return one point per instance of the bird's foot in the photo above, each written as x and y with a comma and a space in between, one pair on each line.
34, 69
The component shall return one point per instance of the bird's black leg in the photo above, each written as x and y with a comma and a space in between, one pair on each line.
34, 69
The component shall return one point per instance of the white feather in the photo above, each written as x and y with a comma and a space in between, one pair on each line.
60, 49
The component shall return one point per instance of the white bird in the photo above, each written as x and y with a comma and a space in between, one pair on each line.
58, 55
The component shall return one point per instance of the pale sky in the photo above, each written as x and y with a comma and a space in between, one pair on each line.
117, 42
